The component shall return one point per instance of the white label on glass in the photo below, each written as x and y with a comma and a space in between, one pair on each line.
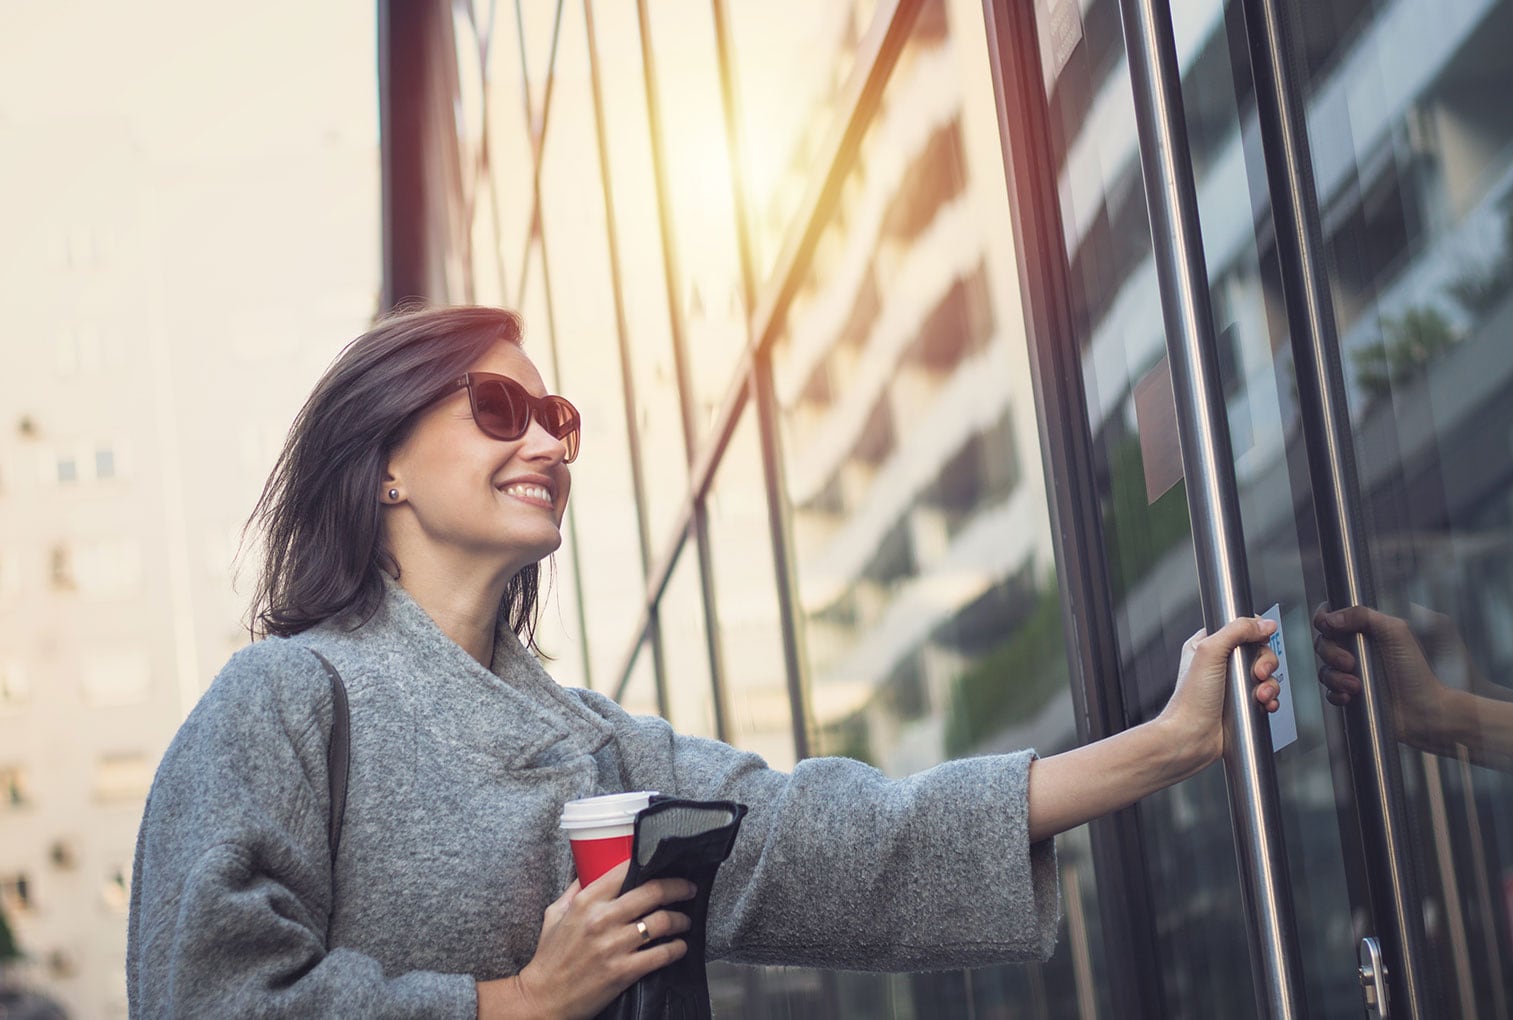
1284, 723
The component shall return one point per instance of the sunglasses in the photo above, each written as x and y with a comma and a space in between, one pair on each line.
504, 409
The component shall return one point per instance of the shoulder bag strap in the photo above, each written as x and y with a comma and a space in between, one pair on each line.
337, 753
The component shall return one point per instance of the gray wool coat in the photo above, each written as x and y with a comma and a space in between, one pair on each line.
450, 850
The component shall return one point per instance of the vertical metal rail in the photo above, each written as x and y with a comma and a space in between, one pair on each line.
1322, 400
537, 232
538, 142
653, 629
672, 277
1212, 496
572, 519
779, 523
1067, 447
876, 54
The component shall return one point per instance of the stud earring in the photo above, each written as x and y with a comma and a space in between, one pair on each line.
393, 495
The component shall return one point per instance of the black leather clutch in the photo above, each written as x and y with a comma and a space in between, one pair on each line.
678, 839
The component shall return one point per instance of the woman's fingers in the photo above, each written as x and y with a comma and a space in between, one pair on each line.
1243, 631
654, 957
646, 898
659, 925
607, 886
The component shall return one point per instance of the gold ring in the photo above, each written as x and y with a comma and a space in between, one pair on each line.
645, 931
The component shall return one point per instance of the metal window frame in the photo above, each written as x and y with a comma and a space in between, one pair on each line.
649, 630
779, 514
1212, 496
697, 521
1339, 508
1066, 439
876, 55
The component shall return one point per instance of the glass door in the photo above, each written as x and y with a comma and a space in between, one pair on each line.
1411, 152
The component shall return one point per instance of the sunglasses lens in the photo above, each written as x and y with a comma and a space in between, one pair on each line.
499, 410
560, 418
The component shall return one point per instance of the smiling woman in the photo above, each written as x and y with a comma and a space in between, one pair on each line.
422, 484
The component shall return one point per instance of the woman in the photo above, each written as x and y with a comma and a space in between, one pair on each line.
421, 485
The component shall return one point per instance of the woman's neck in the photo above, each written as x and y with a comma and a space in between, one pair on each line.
466, 609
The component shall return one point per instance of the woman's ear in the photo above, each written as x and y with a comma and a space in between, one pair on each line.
391, 492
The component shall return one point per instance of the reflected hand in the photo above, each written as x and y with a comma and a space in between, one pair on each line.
1419, 699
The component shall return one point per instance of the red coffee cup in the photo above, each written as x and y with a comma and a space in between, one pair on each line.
602, 830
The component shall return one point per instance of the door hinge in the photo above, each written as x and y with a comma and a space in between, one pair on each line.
1373, 976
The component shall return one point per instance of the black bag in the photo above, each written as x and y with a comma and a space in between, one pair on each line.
678, 839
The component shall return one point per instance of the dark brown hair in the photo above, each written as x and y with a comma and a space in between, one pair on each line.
319, 510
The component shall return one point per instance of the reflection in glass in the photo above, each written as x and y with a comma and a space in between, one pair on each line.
658, 415
792, 61
560, 625
1414, 159
640, 694
922, 541
696, 164
690, 695
573, 227
495, 141
756, 688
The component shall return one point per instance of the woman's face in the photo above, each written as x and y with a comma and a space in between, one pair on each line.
470, 499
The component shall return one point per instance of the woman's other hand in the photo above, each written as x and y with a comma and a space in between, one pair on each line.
591, 949
1194, 714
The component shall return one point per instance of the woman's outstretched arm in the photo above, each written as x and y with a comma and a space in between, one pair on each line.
1087, 782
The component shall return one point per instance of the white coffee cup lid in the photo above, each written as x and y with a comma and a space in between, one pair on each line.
610, 809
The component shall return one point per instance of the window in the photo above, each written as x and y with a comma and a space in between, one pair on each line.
80, 462
14, 689
79, 351
16, 893
116, 678
10, 579
123, 776
13, 791
108, 567
62, 568
115, 889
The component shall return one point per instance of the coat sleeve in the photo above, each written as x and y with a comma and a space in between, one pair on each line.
231, 887
839, 866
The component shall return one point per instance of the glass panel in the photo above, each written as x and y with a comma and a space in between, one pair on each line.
534, 22
603, 500
923, 548
1201, 942
690, 696
657, 410
1413, 149
1412, 160
558, 630
640, 694
792, 61
497, 203
697, 164
751, 640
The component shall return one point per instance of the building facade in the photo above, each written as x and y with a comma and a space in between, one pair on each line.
908, 436
161, 326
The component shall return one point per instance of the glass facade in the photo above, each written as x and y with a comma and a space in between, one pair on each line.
786, 530
828, 479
